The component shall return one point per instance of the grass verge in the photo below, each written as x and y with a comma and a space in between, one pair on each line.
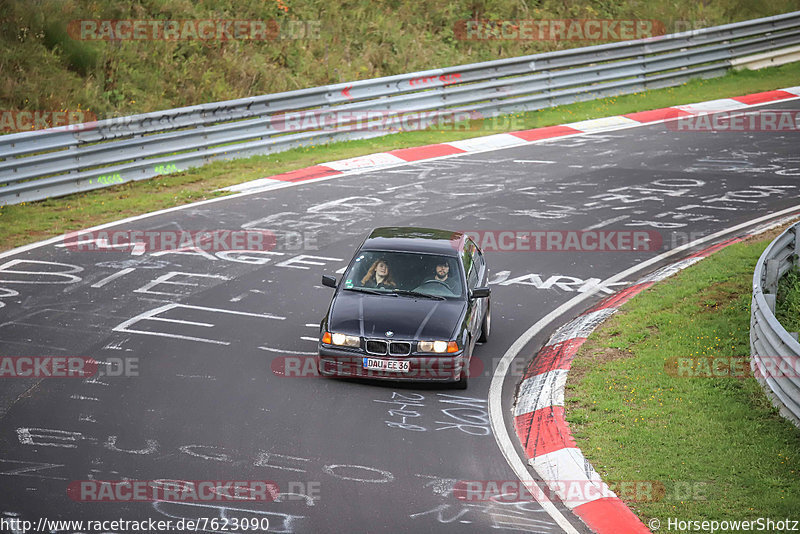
26, 223
718, 447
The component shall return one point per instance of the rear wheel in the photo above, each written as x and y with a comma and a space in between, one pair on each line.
486, 325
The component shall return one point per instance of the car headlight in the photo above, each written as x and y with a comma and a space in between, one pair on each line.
437, 346
341, 339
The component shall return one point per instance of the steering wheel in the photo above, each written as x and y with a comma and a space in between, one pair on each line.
432, 281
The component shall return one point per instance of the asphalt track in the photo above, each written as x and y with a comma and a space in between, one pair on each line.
212, 407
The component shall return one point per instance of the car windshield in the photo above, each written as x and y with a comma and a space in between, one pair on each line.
405, 273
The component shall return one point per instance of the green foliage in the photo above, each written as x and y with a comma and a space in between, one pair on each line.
787, 307
79, 57
358, 39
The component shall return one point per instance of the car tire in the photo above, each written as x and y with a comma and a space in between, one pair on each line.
463, 378
320, 368
463, 381
486, 325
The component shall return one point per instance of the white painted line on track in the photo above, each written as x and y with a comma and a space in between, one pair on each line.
496, 415
284, 351
606, 222
114, 276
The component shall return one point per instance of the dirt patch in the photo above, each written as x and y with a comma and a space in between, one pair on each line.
769, 235
721, 294
593, 356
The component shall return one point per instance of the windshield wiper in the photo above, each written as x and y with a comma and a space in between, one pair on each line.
410, 293
370, 291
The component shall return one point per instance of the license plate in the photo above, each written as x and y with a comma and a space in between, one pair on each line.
374, 364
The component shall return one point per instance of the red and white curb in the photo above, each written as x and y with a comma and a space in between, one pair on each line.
506, 140
539, 418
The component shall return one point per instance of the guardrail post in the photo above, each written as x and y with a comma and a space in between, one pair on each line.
770, 301
771, 281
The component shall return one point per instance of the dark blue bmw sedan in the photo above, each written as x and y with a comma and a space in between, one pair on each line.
411, 305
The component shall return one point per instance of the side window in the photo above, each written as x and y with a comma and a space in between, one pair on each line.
470, 267
466, 260
472, 279
478, 261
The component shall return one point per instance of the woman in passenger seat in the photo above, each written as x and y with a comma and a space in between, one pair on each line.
379, 275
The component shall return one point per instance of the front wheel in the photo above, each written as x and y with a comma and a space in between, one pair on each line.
486, 325
463, 380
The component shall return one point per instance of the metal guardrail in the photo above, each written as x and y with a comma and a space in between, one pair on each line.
60, 161
774, 352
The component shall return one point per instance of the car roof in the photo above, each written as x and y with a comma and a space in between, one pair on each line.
412, 239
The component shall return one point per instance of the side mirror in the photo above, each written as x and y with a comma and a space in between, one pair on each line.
329, 281
480, 292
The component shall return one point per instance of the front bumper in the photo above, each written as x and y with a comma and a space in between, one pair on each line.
428, 368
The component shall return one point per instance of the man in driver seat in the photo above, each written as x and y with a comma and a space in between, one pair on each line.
443, 275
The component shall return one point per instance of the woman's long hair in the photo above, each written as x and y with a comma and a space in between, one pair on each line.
388, 280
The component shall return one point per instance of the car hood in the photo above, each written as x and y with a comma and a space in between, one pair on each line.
409, 318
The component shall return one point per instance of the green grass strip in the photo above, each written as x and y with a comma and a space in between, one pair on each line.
29, 222
714, 444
